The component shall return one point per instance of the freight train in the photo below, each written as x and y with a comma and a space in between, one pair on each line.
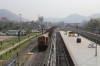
43, 40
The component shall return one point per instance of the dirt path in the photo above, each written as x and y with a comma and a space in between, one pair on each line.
5, 37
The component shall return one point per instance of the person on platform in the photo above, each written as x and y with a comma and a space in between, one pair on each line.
89, 46
92, 45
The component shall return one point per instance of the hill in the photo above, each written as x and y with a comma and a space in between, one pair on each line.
53, 19
10, 15
73, 18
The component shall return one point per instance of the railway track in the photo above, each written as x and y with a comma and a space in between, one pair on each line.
63, 57
88, 35
38, 59
22, 52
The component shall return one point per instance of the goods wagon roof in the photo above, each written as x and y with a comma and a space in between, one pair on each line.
45, 34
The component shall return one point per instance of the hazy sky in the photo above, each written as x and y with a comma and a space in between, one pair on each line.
51, 8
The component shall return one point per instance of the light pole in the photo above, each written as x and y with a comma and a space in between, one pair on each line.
96, 38
96, 44
19, 32
91, 25
20, 22
77, 30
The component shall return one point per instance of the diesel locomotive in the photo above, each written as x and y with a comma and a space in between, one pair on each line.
43, 40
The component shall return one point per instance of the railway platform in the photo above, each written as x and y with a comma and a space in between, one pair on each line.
79, 52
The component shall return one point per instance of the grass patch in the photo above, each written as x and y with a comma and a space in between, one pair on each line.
14, 40
13, 52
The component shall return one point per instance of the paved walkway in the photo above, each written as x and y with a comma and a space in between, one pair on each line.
14, 46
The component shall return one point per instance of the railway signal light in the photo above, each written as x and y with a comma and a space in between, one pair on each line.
19, 33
